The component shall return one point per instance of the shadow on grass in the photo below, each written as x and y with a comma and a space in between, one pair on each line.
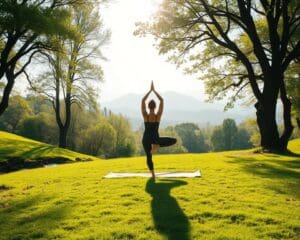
169, 219
285, 170
27, 218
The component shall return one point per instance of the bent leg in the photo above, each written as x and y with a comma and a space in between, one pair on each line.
166, 141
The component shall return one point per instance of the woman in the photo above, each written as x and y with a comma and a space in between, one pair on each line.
151, 140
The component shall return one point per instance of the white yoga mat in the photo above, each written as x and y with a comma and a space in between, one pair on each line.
158, 175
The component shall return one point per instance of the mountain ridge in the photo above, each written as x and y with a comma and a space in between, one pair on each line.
179, 108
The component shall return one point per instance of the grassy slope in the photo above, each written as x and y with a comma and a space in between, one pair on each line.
240, 196
12, 145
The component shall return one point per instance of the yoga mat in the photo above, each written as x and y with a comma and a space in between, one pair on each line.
158, 174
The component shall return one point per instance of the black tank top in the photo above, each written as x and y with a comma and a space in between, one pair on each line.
151, 131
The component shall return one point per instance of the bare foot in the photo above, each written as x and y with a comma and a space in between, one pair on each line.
154, 148
153, 174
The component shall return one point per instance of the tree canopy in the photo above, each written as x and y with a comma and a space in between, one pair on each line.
237, 47
74, 68
24, 26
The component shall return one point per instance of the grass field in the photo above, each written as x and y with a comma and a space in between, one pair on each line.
12, 145
240, 195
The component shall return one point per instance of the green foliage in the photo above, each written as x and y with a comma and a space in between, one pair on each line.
74, 66
217, 139
229, 137
176, 148
229, 133
72, 75
37, 17
40, 127
238, 48
240, 195
82, 119
242, 140
192, 138
25, 29
39, 104
99, 140
209, 38
33, 117
252, 129
293, 88
125, 144
18, 110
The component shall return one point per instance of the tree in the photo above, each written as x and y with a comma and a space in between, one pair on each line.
242, 140
39, 104
99, 140
252, 129
217, 139
12, 118
229, 133
81, 120
39, 127
191, 136
125, 142
228, 137
242, 46
23, 27
74, 67
176, 148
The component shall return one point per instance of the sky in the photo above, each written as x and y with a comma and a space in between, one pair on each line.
134, 61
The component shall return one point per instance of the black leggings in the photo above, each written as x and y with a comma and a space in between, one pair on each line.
162, 142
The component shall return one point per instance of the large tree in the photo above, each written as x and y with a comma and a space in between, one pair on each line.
24, 25
239, 46
74, 68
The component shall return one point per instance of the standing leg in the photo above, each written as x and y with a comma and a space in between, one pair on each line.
147, 148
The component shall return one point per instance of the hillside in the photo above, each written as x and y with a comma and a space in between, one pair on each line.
17, 152
241, 195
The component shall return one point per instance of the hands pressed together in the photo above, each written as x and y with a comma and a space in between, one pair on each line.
153, 89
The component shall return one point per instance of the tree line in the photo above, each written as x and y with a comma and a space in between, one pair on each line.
91, 131
100, 132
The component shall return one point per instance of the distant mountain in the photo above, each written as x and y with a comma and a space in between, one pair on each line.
179, 108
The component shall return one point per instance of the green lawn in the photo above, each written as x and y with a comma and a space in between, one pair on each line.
12, 145
17, 152
240, 195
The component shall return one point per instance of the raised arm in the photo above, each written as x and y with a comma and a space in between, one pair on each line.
143, 105
161, 105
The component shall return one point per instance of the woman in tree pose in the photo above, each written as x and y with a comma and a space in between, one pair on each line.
151, 140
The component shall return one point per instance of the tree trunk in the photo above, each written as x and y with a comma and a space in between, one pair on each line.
298, 122
63, 137
288, 127
6, 92
64, 128
266, 116
267, 126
